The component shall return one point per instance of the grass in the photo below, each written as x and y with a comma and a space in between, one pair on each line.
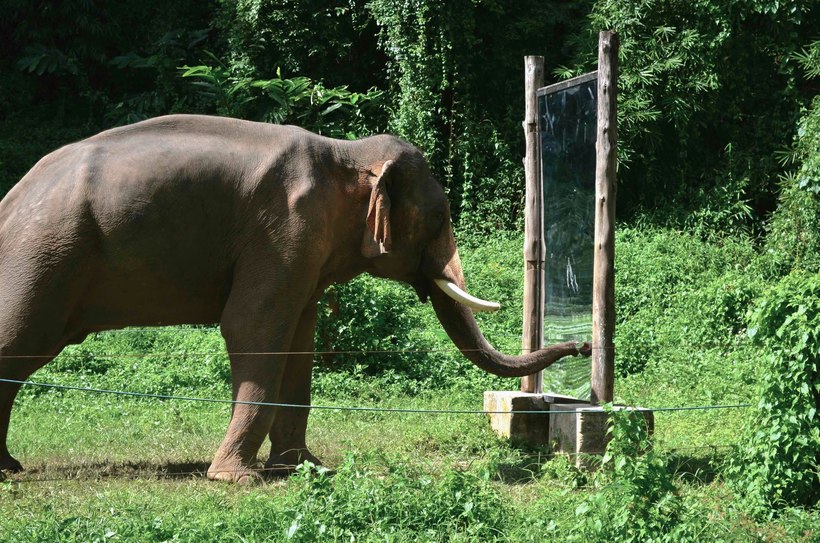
103, 468
106, 468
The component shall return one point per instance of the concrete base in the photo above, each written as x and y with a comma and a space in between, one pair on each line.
581, 430
504, 407
565, 424
530, 428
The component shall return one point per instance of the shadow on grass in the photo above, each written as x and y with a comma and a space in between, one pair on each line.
700, 467
527, 465
696, 469
193, 470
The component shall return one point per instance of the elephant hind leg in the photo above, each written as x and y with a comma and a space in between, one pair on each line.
287, 434
258, 328
30, 338
256, 379
15, 366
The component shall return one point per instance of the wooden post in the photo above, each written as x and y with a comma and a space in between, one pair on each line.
534, 249
603, 282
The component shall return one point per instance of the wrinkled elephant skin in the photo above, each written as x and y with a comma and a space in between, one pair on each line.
197, 220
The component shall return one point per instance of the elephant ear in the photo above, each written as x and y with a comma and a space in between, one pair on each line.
377, 233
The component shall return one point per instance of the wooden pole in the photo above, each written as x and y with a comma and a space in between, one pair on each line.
603, 282
534, 249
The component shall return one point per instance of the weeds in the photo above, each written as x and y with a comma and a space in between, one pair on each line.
419, 477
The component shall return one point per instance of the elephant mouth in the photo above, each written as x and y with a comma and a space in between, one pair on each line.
422, 288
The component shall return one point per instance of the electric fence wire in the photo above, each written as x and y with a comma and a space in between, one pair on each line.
187, 354
344, 407
174, 475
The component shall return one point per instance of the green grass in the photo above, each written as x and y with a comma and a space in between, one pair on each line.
108, 468
103, 468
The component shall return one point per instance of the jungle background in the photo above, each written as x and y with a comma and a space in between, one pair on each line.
717, 284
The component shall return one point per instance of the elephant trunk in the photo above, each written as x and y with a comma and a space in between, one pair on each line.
443, 266
461, 326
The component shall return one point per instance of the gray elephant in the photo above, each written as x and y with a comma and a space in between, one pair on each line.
195, 220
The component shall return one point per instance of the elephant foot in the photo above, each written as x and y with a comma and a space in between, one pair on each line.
234, 472
285, 463
7, 463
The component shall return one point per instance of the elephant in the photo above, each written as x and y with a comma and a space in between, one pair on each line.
193, 219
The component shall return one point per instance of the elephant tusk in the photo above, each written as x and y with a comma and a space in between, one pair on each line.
476, 304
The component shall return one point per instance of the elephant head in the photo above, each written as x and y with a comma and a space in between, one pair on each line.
409, 237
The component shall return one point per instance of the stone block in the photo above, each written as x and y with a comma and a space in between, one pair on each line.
531, 428
579, 430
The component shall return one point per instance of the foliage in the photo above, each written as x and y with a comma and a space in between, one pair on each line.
639, 500
794, 238
333, 41
366, 328
90, 63
156, 361
709, 90
679, 298
402, 339
158, 66
335, 112
708, 93
459, 107
460, 503
18, 155
777, 464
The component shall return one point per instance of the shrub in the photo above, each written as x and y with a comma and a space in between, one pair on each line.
678, 296
777, 461
356, 501
330, 111
794, 233
707, 94
178, 360
411, 348
638, 501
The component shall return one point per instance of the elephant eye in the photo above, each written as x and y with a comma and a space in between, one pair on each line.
441, 217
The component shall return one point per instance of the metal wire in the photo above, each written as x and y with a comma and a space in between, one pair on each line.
172, 354
341, 407
170, 476
250, 353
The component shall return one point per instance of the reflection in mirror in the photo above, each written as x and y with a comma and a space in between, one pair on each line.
567, 118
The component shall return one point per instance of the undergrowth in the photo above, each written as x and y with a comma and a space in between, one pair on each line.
686, 336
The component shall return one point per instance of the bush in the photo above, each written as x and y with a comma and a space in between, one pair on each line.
179, 360
356, 501
777, 462
412, 351
707, 94
365, 327
794, 233
462, 109
678, 296
638, 501
335, 112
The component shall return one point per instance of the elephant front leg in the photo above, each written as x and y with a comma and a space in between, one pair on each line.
256, 380
287, 434
257, 330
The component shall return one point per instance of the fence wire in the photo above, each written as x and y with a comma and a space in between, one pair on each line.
170, 475
343, 407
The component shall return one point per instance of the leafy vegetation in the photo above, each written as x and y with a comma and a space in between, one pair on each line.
709, 92
778, 462
435, 478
